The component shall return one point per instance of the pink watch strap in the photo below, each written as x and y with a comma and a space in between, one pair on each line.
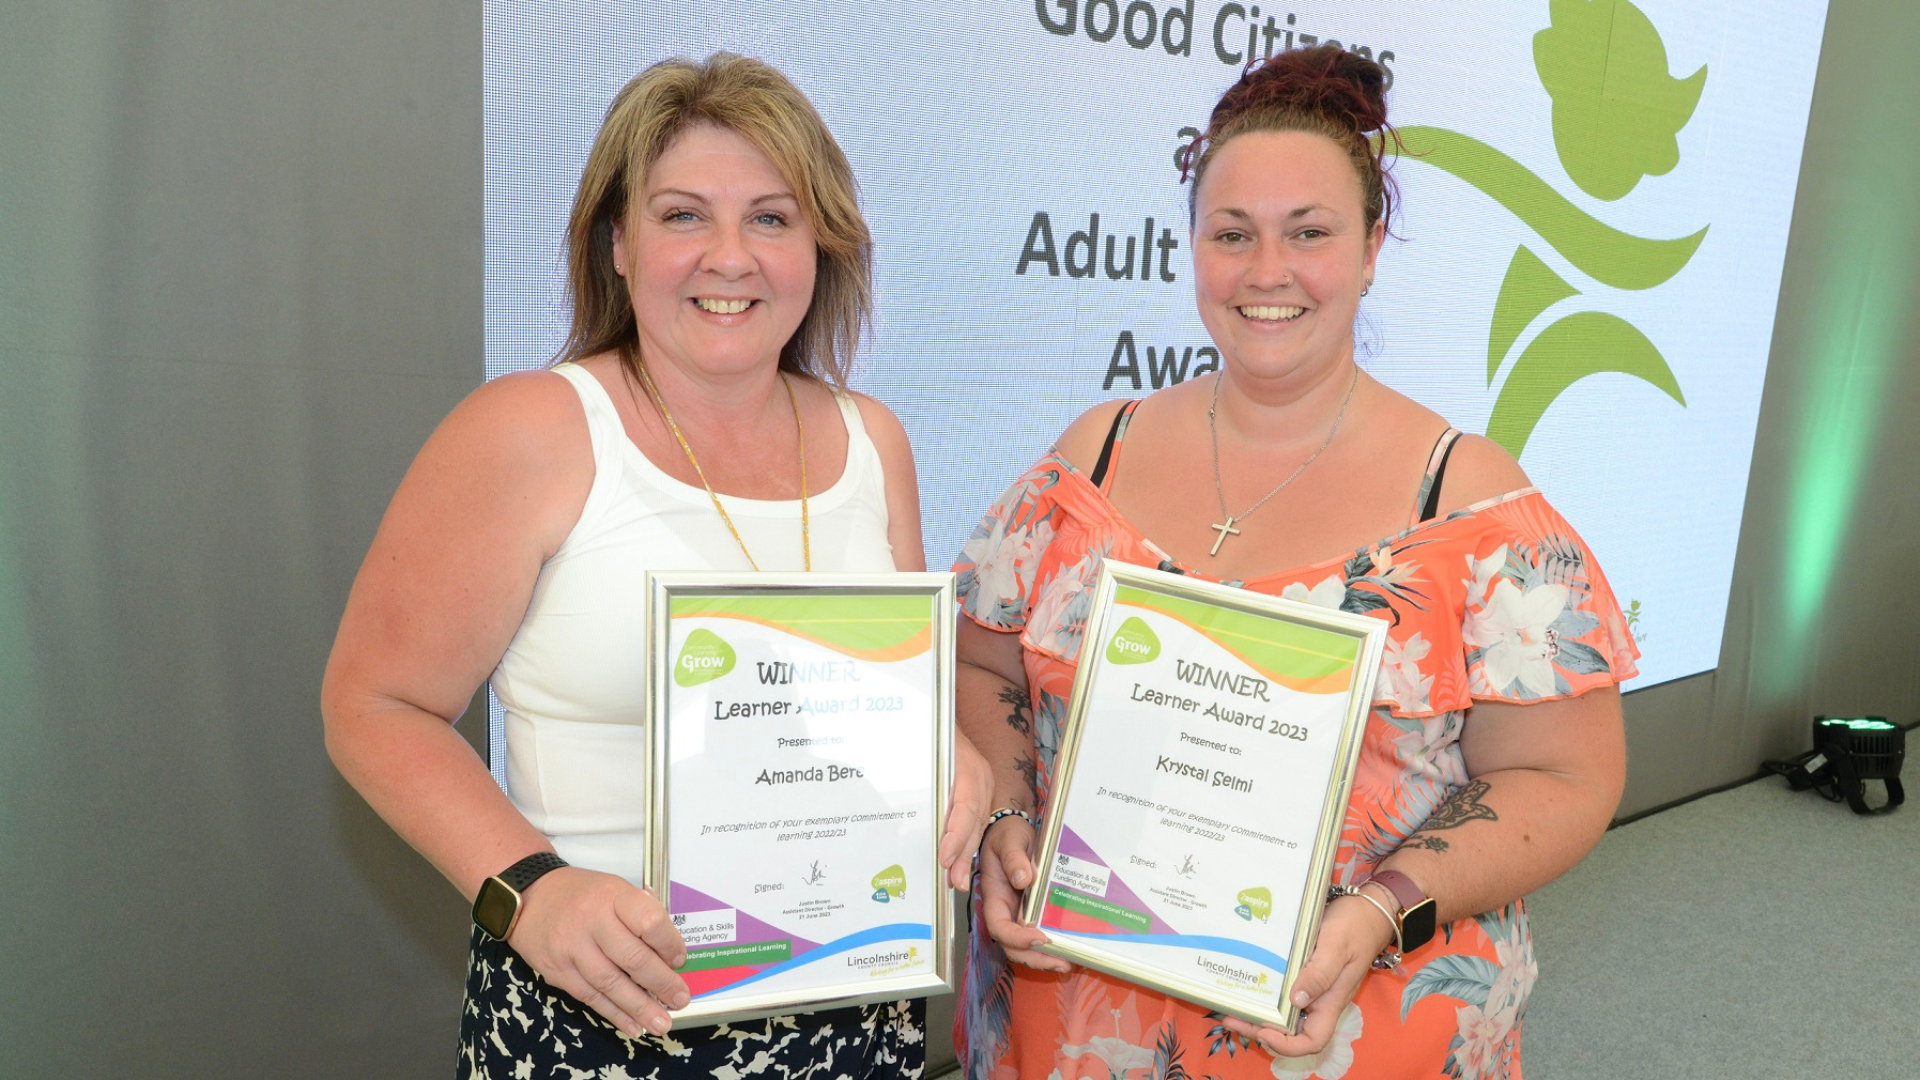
1404, 891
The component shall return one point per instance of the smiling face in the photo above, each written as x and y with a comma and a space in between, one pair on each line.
1281, 251
718, 259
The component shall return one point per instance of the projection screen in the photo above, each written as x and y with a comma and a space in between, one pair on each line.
1594, 214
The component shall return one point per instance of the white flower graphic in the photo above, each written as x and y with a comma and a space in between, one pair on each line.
1331, 1063
999, 563
1518, 970
1512, 628
1330, 593
1120, 1056
1481, 573
1481, 1037
1415, 747
1400, 678
1060, 612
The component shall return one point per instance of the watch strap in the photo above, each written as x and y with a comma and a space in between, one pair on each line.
1401, 886
529, 870
496, 907
1416, 916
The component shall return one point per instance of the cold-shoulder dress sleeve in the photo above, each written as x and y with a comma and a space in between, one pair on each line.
1540, 620
998, 567
1500, 602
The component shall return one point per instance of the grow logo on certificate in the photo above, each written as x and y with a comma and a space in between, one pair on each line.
1134, 643
1256, 903
705, 657
890, 884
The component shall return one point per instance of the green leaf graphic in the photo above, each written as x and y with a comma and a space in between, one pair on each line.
1577, 346
1134, 643
1612, 257
1615, 108
1530, 288
1468, 978
703, 658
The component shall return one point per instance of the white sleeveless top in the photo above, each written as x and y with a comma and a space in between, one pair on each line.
571, 679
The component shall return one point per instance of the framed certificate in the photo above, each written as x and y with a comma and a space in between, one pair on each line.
1200, 787
800, 734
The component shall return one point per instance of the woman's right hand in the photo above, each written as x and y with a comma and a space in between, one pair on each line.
1006, 868
609, 944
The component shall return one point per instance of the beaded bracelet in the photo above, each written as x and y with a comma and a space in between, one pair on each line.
1008, 811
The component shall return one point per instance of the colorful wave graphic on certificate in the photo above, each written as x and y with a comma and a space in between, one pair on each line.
1119, 916
761, 951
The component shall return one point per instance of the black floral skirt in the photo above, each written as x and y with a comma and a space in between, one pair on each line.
515, 1027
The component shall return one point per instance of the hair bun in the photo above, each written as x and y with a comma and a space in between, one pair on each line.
1325, 80
1323, 89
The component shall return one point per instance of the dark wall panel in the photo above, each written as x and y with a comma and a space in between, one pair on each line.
239, 283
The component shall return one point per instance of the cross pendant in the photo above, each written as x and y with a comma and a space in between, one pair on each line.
1224, 530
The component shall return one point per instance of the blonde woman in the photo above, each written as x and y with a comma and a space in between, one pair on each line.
719, 272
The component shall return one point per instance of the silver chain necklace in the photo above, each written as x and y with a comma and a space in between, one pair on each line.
1213, 429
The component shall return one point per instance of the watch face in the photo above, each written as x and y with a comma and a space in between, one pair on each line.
1416, 926
495, 908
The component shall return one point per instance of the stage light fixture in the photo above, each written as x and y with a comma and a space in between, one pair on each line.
1847, 752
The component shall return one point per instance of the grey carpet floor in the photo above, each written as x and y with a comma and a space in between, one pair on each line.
1756, 933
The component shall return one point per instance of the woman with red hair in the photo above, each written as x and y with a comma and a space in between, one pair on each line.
1493, 757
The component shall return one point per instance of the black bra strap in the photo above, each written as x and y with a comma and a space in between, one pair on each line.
1099, 474
1432, 505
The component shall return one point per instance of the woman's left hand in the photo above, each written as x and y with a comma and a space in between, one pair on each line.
967, 809
1352, 933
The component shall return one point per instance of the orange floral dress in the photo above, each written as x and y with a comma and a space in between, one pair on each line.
1496, 602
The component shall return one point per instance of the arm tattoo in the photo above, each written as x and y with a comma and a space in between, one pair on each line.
1020, 718
1461, 807
1030, 773
1427, 843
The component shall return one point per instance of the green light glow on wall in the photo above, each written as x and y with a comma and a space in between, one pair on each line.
1855, 317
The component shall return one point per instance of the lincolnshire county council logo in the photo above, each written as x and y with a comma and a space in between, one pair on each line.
703, 658
1616, 112
1133, 643
890, 884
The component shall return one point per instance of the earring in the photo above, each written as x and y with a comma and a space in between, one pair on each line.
1365, 289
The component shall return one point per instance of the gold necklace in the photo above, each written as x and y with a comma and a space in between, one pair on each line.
806, 540
1214, 430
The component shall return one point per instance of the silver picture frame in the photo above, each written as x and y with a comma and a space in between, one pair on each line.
1306, 894
671, 792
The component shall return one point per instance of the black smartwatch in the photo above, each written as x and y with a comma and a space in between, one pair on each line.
497, 907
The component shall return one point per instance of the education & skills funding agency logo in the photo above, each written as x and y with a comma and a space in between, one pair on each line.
1616, 114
